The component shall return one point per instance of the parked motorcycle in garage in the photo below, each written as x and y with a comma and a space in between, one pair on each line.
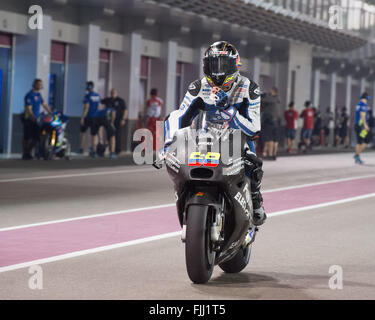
53, 140
213, 200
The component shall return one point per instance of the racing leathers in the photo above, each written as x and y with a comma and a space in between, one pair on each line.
240, 107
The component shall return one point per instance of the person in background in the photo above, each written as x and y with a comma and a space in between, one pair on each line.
362, 127
327, 117
317, 128
106, 118
271, 120
291, 116
342, 133
308, 124
31, 129
117, 104
89, 118
371, 123
154, 105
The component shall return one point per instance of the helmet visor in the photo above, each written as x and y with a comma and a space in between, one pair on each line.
219, 67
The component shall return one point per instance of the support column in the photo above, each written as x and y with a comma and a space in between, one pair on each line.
83, 66
332, 103
133, 78
348, 97
363, 85
316, 93
198, 61
171, 65
31, 54
299, 73
256, 69
126, 78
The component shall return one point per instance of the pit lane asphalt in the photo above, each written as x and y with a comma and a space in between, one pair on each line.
290, 260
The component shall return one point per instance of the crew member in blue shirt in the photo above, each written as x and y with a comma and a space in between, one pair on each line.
31, 132
90, 118
362, 127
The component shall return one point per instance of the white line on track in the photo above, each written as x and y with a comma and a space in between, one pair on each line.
163, 236
73, 175
87, 217
170, 205
88, 251
318, 183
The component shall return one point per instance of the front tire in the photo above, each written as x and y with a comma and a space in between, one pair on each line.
46, 148
200, 258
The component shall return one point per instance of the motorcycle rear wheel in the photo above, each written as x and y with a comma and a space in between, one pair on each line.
238, 262
200, 258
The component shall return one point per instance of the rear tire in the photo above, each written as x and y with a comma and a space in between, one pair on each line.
200, 258
46, 148
238, 262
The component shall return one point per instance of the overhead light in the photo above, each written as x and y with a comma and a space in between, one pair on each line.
326, 62
267, 48
216, 36
185, 29
108, 12
62, 2
357, 68
150, 21
243, 42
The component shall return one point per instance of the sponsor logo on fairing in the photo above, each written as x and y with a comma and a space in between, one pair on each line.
244, 200
192, 86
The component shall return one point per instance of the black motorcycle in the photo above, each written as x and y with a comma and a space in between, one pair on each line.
213, 198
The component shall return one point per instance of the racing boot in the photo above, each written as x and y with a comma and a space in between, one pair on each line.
259, 215
255, 173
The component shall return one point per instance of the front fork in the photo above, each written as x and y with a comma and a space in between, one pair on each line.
217, 226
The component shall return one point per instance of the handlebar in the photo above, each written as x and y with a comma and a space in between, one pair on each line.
158, 164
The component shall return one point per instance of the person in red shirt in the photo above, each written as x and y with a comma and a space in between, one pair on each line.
291, 116
308, 123
154, 105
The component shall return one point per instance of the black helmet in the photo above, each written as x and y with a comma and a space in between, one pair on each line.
221, 63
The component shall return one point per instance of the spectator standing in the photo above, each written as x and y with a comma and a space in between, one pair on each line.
105, 119
317, 128
326, 117
117, 104
342, 134
154, 105
291, 116
31, 129
89, 118
271, 123
308, 124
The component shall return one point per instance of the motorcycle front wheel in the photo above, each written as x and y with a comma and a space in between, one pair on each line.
200, 258
46, 148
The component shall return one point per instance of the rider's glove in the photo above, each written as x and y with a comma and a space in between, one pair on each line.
163, 151
228, 113
221, 99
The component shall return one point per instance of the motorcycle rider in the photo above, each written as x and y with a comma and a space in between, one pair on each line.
237, 101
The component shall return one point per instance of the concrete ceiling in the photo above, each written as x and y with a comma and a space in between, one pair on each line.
221, 15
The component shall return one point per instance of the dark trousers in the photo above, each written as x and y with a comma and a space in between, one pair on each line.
118, 136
